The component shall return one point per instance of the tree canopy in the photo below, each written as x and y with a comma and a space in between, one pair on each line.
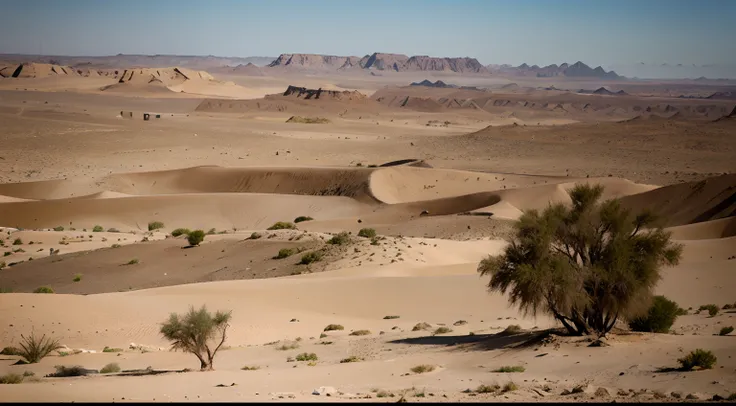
587, 264
197, 332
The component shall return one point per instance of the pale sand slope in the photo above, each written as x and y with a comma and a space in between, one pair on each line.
435, 294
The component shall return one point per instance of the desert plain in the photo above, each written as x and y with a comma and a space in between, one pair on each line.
439, 172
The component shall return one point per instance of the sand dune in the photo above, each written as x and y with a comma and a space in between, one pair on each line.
721, 228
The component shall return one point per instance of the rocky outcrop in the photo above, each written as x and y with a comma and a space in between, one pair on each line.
578, 69
379, 61
315, 94
314, 61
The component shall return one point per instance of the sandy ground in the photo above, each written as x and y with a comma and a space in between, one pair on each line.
69, 162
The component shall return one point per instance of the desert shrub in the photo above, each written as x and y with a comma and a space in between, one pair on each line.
711, 308
110, 368
442, 330
487, 388
340, 238
308, 120
367, 233
11, 378
281, 225
726, 331
699, 358
731, 397
302, 218
390, 317
155, 225
421, 326
198, 332
132, 261
310, 257
115, 246
10, 351
681, 312
17, 241
360, 333
420, 369
662, 314
284, 253
33, 349
510, 369
180, 231
64, 371
7, 253
306, 356
195, 237
334, 327
98, 229
108, 349
255, 236
586, 265
250, 368
351, 358
43, 289
512, 329
113, 230
509, 387
59, 228
77, 277
288, 346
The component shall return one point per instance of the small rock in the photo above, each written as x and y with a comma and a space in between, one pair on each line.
676, 395
324, 390
692, 396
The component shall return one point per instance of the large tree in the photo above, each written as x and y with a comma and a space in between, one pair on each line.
587, 264
197, 332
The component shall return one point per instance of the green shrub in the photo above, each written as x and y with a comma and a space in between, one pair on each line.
255, 236
17, 241
281, 225
442, 330
77, 277
302, 218
155, 225
115, 246
59, 228
390, 317
108, 349
367, 233
180, 231
699, 358
360, 333
510, 369
420, 369
726, 331
43, 289
195, 237
711, 308
33, 349
10, 379
132, 261
306, 357
110, 368
97, 229
662, 314
333, 327
284, 253
310, 257
681, 312
352, 358
731, 397
340, 239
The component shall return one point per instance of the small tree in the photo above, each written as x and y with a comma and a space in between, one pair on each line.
587, 265
197, 332
195, 237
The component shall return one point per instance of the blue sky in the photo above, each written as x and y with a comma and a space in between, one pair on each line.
540, 32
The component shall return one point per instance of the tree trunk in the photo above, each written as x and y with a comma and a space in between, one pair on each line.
205, 365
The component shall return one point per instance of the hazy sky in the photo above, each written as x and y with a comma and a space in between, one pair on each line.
598, 32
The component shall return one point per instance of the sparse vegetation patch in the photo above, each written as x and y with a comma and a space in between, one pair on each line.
281, 225
420, 369
155, 225
700, 359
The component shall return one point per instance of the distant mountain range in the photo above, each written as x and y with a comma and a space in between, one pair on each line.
578, 69
138, 61
379, 61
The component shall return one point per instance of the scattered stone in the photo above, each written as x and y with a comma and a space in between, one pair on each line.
602, 393
676, 395
324, 390
692, 396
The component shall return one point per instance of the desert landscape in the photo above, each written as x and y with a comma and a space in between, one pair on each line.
348, 208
